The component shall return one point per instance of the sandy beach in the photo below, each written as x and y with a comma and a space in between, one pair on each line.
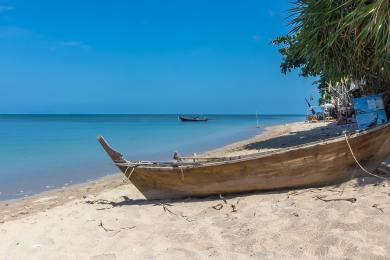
110, 219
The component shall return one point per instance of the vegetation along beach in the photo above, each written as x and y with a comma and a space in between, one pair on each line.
195, 129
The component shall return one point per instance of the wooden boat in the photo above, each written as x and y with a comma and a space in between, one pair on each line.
314, 164
193, 119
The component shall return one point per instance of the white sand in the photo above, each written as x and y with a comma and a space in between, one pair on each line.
279, 136
107, 219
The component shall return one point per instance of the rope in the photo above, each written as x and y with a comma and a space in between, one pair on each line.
182, 173
135, 166
128, 167
132, 170
357, 162
126, 179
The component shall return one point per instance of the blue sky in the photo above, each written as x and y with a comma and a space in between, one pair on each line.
167, 56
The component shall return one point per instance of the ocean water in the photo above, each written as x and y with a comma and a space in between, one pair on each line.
40, 152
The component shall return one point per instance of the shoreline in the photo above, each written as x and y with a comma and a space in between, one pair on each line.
25, 192
58, 196
277, 131
19, 207
62, 150
94, 163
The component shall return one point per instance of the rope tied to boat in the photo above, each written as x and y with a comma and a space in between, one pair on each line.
182, 173
132, 170
357, 162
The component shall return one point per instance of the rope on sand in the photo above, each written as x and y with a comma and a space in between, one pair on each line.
357, 162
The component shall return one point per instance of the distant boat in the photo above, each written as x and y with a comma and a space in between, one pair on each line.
193, 119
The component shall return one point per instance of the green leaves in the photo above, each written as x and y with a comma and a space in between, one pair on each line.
338, 40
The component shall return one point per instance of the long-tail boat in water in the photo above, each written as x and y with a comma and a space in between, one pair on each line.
193, 118
313, 164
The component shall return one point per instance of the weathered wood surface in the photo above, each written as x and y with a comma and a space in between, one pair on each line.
311, 165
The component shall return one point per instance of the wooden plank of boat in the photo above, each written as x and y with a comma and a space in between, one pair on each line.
193, 119
310, 165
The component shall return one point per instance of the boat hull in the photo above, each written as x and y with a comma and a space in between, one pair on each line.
307, 166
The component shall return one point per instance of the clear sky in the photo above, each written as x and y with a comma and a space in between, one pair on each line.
149, 56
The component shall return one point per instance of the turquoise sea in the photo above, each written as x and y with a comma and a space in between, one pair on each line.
40, 152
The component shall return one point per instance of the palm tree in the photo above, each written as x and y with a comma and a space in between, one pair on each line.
340, 40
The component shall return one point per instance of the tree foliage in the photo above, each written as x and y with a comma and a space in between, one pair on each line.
339, 40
